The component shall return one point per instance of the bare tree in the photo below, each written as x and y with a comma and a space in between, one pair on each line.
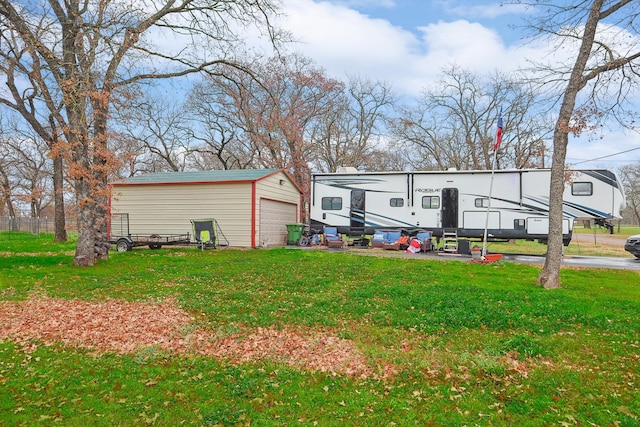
267, 117
8, 182
25, 102
77, 57
160, 128
32, 167
604, 36
351, 132
291, 115
25, 169
220, 146
430, 145
453, 123
221, 135
630, 177
132, 156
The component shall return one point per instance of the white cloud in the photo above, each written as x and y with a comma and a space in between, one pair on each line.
344, 41
467, 44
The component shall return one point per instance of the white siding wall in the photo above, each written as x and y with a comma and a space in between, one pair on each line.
270, 188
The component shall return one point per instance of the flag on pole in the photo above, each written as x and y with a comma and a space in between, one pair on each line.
498, 133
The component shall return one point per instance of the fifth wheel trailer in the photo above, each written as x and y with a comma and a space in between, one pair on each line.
358, 203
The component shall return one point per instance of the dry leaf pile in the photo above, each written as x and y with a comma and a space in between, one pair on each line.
126, 327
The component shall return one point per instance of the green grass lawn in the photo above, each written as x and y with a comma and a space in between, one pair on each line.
441, 342
593, 242
623, 230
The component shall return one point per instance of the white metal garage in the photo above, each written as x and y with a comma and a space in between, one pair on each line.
252, 207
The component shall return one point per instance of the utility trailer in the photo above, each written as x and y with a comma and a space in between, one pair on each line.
508, 204
154, 241
120, 236
205, 234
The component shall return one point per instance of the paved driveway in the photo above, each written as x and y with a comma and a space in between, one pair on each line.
567, 260
582, 261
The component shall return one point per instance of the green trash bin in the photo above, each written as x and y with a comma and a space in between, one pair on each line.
294, 233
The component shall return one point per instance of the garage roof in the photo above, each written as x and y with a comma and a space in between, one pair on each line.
239, 175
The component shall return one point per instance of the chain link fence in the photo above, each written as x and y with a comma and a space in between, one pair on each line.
27, 224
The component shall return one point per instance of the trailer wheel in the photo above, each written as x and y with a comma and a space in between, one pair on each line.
123, 245
154, 245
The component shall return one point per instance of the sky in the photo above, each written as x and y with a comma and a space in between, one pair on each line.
407, 43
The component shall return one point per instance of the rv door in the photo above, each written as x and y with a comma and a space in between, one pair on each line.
356, 212
449, 208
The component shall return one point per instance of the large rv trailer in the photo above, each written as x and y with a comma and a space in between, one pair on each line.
361, 202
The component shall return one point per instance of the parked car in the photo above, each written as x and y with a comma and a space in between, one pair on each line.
633, 245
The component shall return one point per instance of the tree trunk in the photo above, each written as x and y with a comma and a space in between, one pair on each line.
103, 163
59, 221
60, 225
85, 196
100, 211
85, 252
550, 275
6, 195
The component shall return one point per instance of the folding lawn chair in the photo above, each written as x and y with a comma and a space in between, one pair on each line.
204, 232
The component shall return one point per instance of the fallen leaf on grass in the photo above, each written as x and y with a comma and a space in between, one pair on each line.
125, 327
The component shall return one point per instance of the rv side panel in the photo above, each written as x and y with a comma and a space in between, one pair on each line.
510, 204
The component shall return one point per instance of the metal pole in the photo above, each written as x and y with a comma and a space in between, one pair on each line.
486, 223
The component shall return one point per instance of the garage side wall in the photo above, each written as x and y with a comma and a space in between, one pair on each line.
278, 204
168, 208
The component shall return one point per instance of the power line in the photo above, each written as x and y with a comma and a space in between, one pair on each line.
610, 155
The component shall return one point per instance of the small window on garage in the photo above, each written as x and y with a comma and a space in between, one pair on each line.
331, 203
482, 202
582, 188
430, 202
396, 202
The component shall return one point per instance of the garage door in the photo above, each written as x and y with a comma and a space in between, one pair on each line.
274, 217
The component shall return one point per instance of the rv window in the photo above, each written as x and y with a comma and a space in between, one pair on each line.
482, 202
396, 202
430, 202
331, 203
582, 188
